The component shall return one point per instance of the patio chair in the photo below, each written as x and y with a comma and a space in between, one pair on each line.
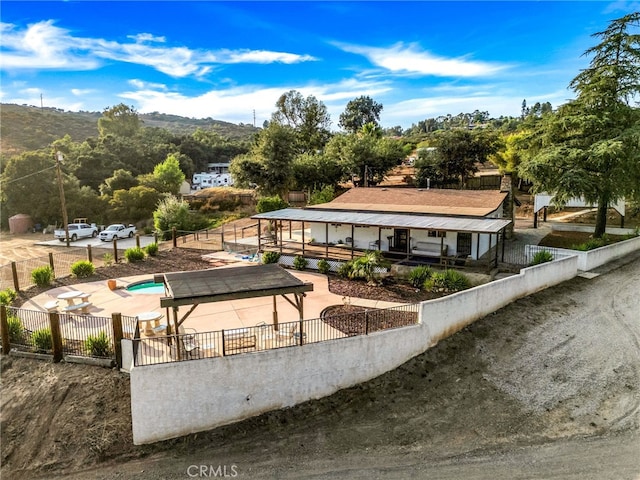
189, 341
286, 332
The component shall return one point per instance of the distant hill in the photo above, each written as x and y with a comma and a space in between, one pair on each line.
24, 127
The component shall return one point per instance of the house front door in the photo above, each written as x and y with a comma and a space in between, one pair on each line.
463, 245
400, 239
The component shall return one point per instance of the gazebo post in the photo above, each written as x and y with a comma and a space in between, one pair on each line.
175, 323
275, 314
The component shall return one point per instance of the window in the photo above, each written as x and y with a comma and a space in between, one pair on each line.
436, 234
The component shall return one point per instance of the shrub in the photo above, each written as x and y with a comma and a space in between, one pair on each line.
365, 267
107, 258
134, 254
419, 275
270, 257
590, 244
541, 256
7, 296
42, 339
270, 204
83, 269
323, 266
42, 276
98, 345
447, 281
456, 281
16, 329
300, 263
344, 270
151, 249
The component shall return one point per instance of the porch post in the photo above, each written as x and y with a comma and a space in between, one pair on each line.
259, 236
303, 238
503, 239
353, 241
279, 227
478, 246
326, 240
495, 264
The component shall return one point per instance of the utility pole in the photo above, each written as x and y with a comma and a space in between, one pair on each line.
65, 220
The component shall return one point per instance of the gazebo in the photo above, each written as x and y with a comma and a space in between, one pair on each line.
233, 283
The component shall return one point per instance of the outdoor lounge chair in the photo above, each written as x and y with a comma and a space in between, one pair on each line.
189, 342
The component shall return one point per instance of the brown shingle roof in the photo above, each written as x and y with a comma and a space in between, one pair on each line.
417, 200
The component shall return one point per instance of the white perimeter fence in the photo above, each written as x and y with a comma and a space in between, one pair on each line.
175, 399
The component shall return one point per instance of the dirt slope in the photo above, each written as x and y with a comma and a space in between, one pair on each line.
547, 385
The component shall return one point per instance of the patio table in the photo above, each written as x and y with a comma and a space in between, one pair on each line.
149, 318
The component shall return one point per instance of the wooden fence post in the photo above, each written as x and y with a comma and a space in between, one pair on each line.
174, 238
116, 319
138, 240
89, 254
155, 237
56, 337
4, 330
115, 250
14, 272
53, 267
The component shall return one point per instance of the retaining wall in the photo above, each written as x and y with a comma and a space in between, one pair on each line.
174, 399
593, 258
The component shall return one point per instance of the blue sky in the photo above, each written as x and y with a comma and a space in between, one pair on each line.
227, 60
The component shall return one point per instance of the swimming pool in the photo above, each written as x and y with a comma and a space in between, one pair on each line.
146, 286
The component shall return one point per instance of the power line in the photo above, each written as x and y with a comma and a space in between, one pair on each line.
27, 176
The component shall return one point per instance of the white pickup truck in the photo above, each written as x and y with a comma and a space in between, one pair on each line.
117, 230
76, 231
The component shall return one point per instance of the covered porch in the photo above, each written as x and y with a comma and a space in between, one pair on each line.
344, 235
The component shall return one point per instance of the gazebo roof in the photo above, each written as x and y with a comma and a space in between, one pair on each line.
219, 284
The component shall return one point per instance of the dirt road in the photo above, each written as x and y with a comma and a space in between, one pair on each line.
547, 387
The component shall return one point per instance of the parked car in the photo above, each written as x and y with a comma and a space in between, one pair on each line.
76, 231
117, 230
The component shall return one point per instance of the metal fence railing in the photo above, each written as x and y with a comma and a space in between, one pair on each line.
192, 345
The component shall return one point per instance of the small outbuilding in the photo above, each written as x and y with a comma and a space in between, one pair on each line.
20, 223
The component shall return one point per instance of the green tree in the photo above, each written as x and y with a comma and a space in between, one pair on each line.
316, 171
307, 116
269, 163
133, 205
358, 112
167, 177
364, 156
120, 121
589, 147
457, 154
120, 180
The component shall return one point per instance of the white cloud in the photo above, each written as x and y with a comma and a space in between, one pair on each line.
401, 58
263, 56
142, 84
41, 46
45, 46
79, 92
237, 104
625, 6
147, 37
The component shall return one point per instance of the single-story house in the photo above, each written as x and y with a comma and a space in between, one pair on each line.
406, 222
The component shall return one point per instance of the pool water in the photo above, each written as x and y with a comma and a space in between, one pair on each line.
148, 286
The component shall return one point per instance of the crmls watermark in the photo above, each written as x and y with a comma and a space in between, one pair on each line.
212, 471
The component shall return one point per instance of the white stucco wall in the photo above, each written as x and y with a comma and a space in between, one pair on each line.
593, 258
175, 399
445, 316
